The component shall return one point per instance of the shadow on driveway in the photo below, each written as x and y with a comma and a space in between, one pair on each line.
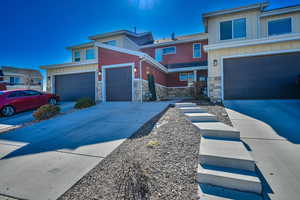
282, 115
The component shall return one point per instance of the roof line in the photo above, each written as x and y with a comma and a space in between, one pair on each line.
234, 10
132, 52
176, 42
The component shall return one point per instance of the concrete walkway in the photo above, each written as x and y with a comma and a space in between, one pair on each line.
42, 161
271, 131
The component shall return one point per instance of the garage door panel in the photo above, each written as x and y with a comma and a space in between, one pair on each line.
118, 84
71, 87
262, 77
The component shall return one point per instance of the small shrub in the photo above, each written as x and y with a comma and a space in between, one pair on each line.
153, 144
46, 111
84, 103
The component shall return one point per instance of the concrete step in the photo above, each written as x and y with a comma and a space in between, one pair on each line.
225, 153
240, 180
187, 104
201, 117
211, 192
217, 129
196, 109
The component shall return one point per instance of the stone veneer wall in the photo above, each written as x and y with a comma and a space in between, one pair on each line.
179, 92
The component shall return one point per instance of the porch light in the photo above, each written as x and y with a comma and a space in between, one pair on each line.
134, 70
49, 78
215, 62
99, 73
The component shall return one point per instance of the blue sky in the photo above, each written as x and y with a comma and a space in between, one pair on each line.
36, 32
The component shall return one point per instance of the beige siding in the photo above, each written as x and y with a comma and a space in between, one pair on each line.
295, 22
68, 70
214, 72
251, 26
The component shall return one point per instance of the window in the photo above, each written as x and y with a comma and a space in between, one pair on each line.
233, 29
158, 55
197, 50
16, 94
186, 76
168, 50
31, 93
89, 54
280, 26
164, 51
111, 42
202, 78
14, 80
77, 56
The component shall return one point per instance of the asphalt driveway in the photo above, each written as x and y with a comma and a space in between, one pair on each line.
42, 161
270, 129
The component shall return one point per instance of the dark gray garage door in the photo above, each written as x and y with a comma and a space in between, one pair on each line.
118, 83
262, 77
71, 87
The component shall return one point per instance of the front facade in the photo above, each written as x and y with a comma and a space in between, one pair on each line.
115, 67
253, 53
248, 52
21, 78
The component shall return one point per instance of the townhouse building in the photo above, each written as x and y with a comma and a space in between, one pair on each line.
250, 52
115, 66
253, 52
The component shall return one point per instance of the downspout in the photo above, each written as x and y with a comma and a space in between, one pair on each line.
141, 78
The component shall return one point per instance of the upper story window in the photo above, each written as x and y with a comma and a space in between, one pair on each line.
77, 55
233, 29
111, 42
197, 50
169, 50
279, 26
90, 54
164, 51
14, 80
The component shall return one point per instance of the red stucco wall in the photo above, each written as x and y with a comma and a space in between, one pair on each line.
110, 57
184, 53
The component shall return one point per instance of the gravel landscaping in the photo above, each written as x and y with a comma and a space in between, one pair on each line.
158, 162
165, 151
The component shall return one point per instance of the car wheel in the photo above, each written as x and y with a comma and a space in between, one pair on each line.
8, 111
52, 101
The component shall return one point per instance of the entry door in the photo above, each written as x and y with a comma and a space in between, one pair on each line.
118, 84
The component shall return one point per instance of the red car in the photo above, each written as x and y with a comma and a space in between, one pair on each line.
13, 101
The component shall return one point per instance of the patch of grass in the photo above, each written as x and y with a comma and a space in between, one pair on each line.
46, 111
152, 144
84, 103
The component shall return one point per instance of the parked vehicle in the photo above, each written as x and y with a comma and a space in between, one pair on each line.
13, 101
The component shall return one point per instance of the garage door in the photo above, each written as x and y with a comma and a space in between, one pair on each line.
71, 87
118, 83
262, 77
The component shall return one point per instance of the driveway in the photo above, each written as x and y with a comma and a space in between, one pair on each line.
270, 129
26, 117
42, 161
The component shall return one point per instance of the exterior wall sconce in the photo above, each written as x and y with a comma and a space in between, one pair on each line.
49, 78
215, 62
134, 70
99, 73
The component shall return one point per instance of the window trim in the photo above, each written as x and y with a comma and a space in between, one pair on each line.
199, 49
232, 29
279, 18
91, 48
75, 50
